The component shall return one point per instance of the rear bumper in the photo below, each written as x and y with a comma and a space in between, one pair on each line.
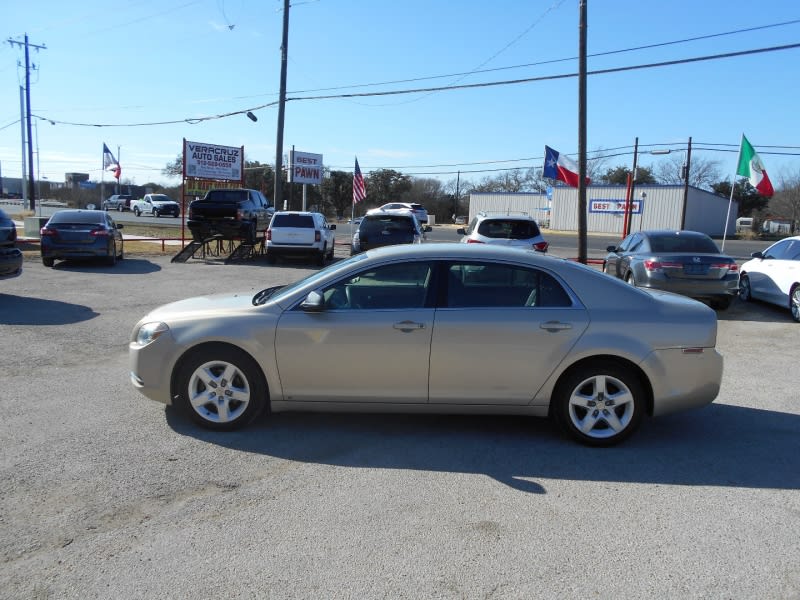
694, 288
683, 380
203, 230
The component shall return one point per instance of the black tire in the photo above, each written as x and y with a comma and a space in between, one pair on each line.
155, 213
201, 375
745, 292
596, 417
137, 212
630, 279
794, 302
48, 261
120, 208
121, 255
111, 259
322, 255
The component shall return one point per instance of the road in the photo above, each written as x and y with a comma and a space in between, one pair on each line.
105, 494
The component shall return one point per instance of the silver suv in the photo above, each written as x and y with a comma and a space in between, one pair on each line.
514, 229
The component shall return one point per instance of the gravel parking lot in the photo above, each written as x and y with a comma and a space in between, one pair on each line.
105, 494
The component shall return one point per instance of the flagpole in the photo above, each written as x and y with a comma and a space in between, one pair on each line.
730, 200
102, 177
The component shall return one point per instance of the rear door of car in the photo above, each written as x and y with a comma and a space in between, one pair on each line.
500, 332
292, 229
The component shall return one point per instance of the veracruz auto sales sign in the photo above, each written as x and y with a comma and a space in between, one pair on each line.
210, 161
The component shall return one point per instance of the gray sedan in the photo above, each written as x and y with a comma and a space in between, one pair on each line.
442, 328
684, 262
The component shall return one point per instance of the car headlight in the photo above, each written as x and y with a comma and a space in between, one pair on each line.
149, 332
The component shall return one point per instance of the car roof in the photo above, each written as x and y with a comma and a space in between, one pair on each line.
80, 216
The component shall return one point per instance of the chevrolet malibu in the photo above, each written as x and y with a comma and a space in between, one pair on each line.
484, 330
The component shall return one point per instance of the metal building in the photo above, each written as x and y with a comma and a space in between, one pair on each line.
652, 207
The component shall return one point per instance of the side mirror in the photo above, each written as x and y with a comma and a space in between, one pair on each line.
461, 230
427, 228
119, 225
757, 255
333, 226
611, 249
314, 302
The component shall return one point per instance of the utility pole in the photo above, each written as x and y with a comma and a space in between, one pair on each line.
281, 109
685, 175
31, 187
582, 221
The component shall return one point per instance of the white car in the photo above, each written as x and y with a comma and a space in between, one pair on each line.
297, 233
774, 276
418, 210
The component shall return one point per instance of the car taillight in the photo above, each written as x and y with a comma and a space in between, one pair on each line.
541, 247
732, 267
45, 232
191, 213
655, 265
99, 233
317, 236
269, 235
470, 241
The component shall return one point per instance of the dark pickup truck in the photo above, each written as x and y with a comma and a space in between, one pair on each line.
118, 202
229, 214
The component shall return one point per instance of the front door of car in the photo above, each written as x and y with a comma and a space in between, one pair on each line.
370, 343
499, 334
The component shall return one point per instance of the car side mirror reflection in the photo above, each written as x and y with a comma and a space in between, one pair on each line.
314, 302
611, 249
461, 230
427, 228
757, 255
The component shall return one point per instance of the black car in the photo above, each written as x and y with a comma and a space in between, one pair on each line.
387, 228
120, 202
230, 214
80, 234
10, 255
683, 262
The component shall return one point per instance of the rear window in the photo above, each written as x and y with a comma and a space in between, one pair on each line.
70, 216
676, 243
280, 220
509, 229
226, 195
393, 223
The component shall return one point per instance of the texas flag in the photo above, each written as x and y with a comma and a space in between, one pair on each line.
110, 163
561, 167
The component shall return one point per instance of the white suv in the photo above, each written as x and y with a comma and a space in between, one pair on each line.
418, 210
296, 233
515, 229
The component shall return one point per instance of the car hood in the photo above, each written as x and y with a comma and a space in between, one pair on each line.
215, 305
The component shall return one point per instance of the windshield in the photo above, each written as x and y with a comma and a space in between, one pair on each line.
281, 294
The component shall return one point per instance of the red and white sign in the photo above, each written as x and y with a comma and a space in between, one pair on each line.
305, 167
209, 161
614, 206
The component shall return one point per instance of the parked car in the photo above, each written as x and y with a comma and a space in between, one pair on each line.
774, 276
300, 233
514, 229
418, 210
684, 262
119, 202
156, 205
230, 214
386, 228
10, 256
81, 234
435, 328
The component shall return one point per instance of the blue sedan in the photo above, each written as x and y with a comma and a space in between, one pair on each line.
81, 234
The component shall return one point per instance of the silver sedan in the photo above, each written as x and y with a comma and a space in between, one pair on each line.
444, 328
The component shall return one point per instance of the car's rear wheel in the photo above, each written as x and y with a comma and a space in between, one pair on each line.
111, 259
137, 212
745, 293
600, 404
119, 207
48, 261
794, 302
630, 279
221, 387
322, 255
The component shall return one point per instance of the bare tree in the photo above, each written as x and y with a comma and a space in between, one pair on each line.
786, 201
703, 173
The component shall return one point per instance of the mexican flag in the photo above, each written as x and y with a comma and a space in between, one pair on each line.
750, 166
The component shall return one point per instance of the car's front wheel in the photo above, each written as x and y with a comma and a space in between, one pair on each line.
600, 404
630, 279
48, 261
155, 213
745, 293
221, 387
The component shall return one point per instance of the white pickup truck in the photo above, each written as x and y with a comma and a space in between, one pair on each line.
295, 233
156, 205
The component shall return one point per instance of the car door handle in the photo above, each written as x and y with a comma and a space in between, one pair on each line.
553, 326
407, 326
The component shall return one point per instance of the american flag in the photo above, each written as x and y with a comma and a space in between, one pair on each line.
359, 189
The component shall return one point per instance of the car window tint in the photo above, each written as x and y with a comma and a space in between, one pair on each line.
282, 220
483, 285
793, 251
777, 251
678, 243
397, 286
636, 243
